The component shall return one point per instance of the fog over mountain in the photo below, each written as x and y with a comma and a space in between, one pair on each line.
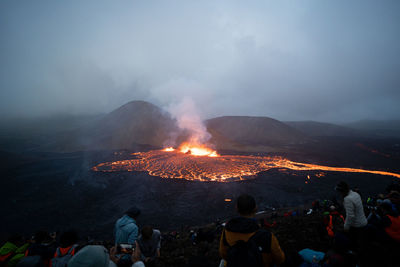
335, 61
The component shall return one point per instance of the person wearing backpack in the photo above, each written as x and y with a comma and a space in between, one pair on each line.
67, 249
243, 243
41, 250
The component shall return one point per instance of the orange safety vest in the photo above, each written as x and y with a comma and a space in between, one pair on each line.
394, 229
60, 252
329, 228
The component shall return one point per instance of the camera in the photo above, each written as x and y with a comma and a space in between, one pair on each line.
125, 249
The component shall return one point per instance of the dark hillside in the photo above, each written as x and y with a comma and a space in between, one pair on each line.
249, 133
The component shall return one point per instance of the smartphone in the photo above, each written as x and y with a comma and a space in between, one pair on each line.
125, 248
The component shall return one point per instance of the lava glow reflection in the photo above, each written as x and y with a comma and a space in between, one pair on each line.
173, 163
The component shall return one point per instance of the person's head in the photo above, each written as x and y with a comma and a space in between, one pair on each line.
16, 239
91, 256
68, 238
246, 205
147, 232
386, 208
133, 212
343, 188
42, 237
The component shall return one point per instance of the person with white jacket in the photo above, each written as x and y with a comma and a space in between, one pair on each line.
355, 221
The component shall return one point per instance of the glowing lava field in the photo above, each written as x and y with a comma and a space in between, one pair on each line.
185, 164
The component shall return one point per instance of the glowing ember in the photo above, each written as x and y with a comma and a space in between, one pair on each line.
213, 167
228, 200
168, 149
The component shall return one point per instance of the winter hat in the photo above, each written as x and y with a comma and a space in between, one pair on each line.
133, 212
91, 256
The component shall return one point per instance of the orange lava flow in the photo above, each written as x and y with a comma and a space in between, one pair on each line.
175, 164
198, 150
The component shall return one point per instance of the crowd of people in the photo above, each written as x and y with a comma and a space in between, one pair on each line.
359, 234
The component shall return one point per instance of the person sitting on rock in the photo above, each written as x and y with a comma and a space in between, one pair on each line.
44, 245
391, 222
150, 243
13, 251
243, 243
66, 250
98, 256
126, 231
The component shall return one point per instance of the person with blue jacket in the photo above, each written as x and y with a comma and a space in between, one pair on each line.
126, 230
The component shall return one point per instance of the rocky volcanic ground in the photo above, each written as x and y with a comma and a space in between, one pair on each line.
58, 191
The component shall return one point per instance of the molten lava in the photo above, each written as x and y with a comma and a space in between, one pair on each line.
197, 150
195, 164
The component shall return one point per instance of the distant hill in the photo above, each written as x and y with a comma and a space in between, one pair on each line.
139, 123
251, 133
135, 123
313, 128
380, 128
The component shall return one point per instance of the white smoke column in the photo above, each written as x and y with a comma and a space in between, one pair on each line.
189, 119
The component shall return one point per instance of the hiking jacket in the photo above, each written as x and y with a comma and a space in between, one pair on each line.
392, 226
355, 216
243, 228
126, 230
45, 251
8, 248
149, 248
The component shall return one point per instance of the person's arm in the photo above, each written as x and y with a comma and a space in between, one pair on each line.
350, 215
133, 235
278, 256
113, 257
136, 254
223, 249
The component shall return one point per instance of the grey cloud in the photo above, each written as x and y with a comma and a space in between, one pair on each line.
331, 61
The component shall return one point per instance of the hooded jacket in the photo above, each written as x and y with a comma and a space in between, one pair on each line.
242, 228
126, 230
91, 256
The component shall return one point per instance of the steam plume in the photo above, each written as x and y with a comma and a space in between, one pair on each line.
189, 120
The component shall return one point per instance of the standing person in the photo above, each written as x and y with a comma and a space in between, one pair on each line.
243, 243
150, 244
355, 221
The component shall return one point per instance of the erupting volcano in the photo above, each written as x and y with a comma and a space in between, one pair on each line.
194, 159
204, 164
197, 150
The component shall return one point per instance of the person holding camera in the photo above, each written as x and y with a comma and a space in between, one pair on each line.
126, 233
117, 252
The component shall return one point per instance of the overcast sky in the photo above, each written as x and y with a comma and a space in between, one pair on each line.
290, 60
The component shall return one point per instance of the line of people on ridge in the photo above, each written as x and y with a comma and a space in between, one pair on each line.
132, 248
358, 240
243, 241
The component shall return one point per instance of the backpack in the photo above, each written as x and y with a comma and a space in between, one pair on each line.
60, 260
249, 253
